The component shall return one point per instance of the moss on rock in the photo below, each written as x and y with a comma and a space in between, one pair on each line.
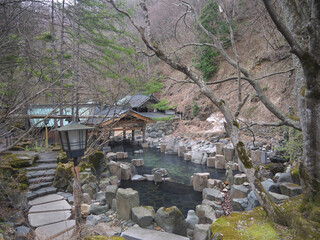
62, 175
63, 171
85, 165
274, 167
16, 160
301, 216
20, 163
246, 225
22, 178
7, 170
294, 171
17, 148
62, 157
97, 160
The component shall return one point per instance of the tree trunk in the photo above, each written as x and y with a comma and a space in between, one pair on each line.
61, 63
302, 31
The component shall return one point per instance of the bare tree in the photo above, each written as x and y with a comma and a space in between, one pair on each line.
309, 63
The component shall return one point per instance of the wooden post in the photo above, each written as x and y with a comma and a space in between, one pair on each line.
144, 133
47, 141
132, 135
77, 195
124, 134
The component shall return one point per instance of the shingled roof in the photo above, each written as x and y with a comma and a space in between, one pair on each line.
136, 101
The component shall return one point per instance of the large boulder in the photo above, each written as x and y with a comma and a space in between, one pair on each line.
229, 153
200, 181
97, 209
275, 188
62, 176
111, 191
114, 180
219, 148
206, 214
91, 189
171, 220
114, 168
267, 184
214, 183
111, 156
204, 159
256, 157
104, 182
137, 162
239, 204
125, 172
202, 232
252, 201
264, 174
181, 151
85, 210
143, 216
283, 177
277, 198
239, 191
211, 162
121, 155
290, 189
126, 200
239, 179
212, 195
196, 157
220, 162
172, 146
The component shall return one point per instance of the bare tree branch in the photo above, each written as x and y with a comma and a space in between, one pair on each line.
295, 46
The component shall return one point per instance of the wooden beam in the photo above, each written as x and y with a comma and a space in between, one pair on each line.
26, 116
132, 128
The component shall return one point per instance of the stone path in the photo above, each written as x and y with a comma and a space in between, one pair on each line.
49, 211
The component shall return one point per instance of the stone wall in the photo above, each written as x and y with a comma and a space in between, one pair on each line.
161, 128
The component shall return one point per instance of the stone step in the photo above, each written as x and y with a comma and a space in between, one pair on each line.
138, 233
45, 218
40, 192
48, 155
60, 230
65, 236
45, 199
61, 205
43, 166
37, 186
51, 160
41, 179
41, 173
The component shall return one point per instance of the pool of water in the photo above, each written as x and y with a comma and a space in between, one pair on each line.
165, 194
178, 192
179, 170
